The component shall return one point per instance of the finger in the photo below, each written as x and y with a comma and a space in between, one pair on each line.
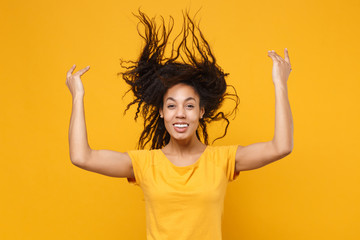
272, 56
68, 74
287, 59
82, 71
278, 57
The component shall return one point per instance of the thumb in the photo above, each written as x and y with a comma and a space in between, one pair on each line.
287, 59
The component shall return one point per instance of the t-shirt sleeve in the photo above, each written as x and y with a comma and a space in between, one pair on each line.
230, 166
140, 162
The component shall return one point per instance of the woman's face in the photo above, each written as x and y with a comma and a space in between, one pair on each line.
181, 111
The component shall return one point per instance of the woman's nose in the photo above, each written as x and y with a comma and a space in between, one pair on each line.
180, 113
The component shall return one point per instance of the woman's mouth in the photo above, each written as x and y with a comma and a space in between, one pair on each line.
181, 127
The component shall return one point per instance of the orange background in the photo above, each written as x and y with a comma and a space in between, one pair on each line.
311, 194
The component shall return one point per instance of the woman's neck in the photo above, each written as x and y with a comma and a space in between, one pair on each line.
184, 147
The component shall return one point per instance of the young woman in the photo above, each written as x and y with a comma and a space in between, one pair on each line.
183, 178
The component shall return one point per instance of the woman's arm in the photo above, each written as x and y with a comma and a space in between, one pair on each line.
106, 162
260, 154
78, 143
283, 139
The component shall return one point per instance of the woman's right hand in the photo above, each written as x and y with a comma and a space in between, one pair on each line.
73, 81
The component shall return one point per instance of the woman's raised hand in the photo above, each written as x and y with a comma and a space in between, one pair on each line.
73, 81
281, 67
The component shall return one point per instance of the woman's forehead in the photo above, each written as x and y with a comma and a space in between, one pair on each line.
181, 92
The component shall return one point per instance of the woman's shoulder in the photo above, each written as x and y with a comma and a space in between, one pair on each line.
143, 153
144, 150
222, 147
222, 152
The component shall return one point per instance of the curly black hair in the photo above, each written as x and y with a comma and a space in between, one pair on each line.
153, 74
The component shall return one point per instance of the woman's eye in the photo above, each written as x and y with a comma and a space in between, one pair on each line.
190, 106
171, 106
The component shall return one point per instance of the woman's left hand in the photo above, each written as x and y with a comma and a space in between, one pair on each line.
281, 68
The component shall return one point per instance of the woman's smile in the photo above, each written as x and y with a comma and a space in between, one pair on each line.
181, 127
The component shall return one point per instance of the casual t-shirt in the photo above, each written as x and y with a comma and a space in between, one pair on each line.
184, 202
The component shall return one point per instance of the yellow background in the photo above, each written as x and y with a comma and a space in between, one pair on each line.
311, 194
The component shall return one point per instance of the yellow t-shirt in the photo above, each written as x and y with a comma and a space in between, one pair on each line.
184, 202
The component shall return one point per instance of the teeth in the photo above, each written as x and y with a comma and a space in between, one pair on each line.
181, 125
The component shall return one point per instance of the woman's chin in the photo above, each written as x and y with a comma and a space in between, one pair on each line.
182, 137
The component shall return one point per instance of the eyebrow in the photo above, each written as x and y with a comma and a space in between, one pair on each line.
189, 98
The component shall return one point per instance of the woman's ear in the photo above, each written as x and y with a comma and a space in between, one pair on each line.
202, 112
161, 113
